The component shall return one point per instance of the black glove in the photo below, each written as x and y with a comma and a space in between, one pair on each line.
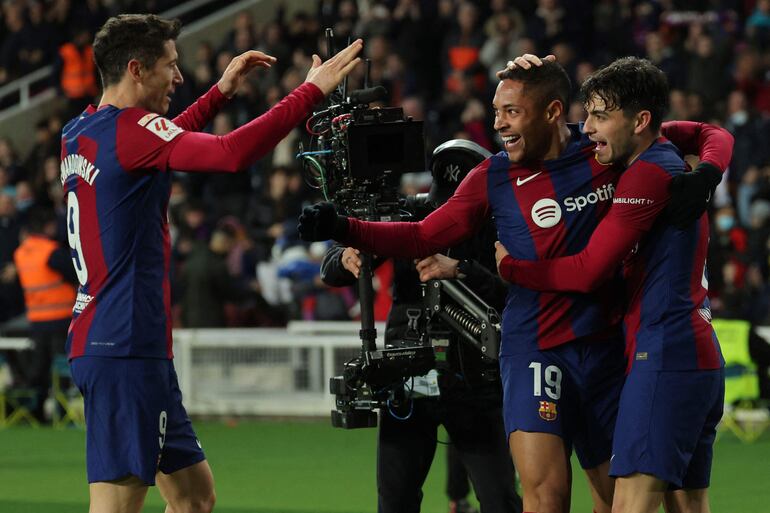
691, 193
321, 222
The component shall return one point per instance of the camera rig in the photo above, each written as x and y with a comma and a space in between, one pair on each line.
356, 157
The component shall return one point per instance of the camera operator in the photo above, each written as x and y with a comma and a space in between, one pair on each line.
469, 402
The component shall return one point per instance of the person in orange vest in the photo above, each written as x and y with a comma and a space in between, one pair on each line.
48, 278
77, 70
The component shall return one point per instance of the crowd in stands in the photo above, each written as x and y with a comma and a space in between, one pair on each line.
237, 260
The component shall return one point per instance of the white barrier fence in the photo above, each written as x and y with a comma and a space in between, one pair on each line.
264, 371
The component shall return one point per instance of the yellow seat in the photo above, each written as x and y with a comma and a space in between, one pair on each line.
16, 405
68, 408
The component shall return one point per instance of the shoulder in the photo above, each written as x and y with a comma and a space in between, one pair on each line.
662, 155
496, 163
143, 122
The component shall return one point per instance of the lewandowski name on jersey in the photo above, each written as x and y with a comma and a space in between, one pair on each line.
75, 164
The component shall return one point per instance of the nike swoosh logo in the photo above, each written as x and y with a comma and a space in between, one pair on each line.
519, 181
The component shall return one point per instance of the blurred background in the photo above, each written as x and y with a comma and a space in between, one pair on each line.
252, 353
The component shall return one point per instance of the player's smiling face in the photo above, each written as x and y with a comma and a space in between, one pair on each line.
611, 130
160, 81
521, 122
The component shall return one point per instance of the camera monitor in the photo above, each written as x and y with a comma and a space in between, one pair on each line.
377, 148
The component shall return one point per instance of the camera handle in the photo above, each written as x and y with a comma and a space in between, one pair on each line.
368, 332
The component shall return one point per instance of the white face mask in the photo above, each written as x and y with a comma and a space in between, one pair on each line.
739, 118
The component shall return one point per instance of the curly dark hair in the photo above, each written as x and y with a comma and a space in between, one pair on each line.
632, 85
547, 82
131, 36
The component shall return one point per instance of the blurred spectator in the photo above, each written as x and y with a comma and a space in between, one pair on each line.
758, 25
205, 283
751, 133
462, 48
272, 218
77, 71
46, 273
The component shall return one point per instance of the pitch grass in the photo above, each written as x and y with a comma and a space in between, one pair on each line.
303, 467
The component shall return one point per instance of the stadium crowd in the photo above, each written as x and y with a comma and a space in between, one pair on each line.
237, 260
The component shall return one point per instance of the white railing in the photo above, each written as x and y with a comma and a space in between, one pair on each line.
264, 371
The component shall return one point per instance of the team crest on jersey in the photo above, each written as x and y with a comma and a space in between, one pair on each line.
547, 410
160, 126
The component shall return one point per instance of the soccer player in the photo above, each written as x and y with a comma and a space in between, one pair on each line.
673, 397
561, 355
116, 172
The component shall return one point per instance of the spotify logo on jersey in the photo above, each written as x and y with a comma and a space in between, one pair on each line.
546, 213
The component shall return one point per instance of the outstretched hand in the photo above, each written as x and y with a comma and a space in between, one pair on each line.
239, 67
327, 75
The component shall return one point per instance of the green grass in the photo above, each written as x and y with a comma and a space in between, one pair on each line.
303, 467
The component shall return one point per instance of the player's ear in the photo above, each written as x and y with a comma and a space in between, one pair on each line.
642, 121
135, 70
554, 111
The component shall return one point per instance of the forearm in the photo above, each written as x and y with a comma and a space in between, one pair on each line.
454, 221
712, 144
199, 114
582, 272
237, 150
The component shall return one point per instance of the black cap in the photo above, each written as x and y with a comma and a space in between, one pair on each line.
450, 163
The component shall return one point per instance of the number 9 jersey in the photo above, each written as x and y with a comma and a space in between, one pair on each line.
117, 187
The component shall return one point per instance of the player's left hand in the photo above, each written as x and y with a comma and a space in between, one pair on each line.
691, 193
437, 267
239, 67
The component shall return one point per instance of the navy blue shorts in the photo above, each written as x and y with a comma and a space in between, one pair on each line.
135, 421
571, 391
666, 425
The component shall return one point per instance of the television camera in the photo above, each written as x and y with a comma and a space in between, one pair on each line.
356, 157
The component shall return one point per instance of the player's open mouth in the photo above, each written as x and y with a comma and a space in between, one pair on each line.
600, 145
509, 141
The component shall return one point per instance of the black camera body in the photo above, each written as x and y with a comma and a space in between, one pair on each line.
452, 314
363, 153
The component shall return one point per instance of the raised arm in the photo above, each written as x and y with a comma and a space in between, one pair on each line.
691, 192
710, 143
199, 114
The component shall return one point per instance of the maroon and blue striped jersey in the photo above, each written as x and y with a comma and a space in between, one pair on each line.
116, 184
667, 322
541, 212
116, 176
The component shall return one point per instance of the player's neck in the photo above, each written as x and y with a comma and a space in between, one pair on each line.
559, 141
644, 141
120, 95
